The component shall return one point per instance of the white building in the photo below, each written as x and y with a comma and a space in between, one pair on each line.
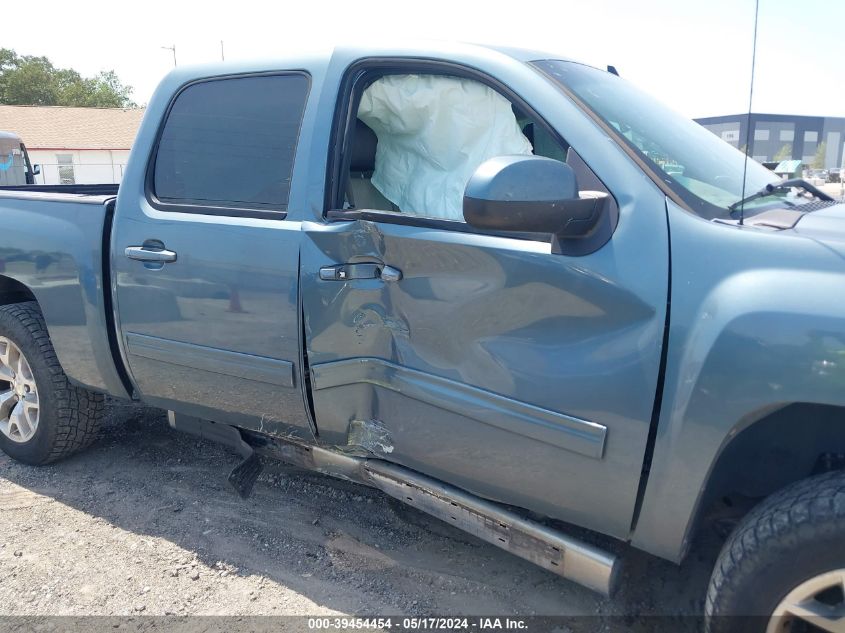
74, 145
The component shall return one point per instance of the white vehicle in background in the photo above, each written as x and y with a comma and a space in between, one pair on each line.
15, 167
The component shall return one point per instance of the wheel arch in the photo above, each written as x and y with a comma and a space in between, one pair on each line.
768, 451
78, 329
13, 291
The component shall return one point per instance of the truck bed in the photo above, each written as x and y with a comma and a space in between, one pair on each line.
88, 190
54, 248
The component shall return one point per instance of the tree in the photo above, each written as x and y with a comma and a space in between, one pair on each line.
818, 159
784, 153
30, 80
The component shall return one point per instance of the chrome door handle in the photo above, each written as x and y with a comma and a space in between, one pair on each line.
150, 254
389, 273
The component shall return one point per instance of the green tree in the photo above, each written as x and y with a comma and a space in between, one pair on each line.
30, 80
784, 153
818, 159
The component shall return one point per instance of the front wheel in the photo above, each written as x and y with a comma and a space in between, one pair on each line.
783, 568
42, 416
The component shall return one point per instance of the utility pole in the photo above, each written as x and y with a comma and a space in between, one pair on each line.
173, 50
842, 175
222, 56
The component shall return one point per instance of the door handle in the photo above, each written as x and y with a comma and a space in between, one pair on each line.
344, 272
389, 273
149, 253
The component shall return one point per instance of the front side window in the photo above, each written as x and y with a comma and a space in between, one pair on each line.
231, 143
698, 166
418, 138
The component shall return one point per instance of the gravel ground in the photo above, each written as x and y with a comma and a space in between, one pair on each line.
143, 523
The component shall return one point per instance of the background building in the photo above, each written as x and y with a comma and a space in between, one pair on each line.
74, 145
782, 136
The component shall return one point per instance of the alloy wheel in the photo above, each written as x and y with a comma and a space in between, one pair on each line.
19, 410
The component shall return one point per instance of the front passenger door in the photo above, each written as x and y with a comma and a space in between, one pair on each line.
487, 361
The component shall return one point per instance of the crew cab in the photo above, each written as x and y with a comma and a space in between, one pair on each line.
508, 289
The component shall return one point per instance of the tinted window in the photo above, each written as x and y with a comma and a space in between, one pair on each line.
231, 142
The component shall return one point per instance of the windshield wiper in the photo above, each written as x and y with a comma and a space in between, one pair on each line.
784, 185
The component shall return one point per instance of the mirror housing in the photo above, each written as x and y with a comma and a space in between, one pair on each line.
534, 194
36, 169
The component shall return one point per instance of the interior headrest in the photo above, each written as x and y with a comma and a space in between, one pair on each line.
364, 142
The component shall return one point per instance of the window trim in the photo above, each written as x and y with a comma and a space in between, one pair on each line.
202, 207
355, 79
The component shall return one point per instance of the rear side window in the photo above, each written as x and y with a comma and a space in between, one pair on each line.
231, 143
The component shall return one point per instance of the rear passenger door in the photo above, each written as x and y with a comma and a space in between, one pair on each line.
205, 260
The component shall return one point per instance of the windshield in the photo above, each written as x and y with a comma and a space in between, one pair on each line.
702, 169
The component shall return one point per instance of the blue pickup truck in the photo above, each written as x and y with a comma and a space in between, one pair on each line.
510, 290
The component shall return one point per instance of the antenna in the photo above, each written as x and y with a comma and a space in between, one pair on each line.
750, 100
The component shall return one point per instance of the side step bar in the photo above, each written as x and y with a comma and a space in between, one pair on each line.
548, 548
563, 555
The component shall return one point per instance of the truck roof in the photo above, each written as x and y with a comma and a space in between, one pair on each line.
9, 136
319, 56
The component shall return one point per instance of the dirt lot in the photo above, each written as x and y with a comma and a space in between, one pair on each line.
144, 523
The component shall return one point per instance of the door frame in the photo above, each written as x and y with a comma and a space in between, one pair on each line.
361, 74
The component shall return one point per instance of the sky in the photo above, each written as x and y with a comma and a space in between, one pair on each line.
694, 55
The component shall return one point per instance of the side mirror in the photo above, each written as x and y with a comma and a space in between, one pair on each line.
36, 169
534, 194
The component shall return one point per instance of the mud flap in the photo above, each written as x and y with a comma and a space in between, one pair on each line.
243, 476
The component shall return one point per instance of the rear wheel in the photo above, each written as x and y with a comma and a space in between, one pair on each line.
783, 568
42, 416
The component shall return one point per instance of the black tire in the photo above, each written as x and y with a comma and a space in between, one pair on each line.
791, 537
69, 416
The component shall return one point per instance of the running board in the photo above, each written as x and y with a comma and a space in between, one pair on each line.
588, 566
563, 555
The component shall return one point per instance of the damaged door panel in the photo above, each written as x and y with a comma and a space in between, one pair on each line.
486, 348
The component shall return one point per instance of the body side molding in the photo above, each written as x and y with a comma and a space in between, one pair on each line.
258, 368
567, 432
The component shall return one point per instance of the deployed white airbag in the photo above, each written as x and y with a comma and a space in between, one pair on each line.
433, 132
